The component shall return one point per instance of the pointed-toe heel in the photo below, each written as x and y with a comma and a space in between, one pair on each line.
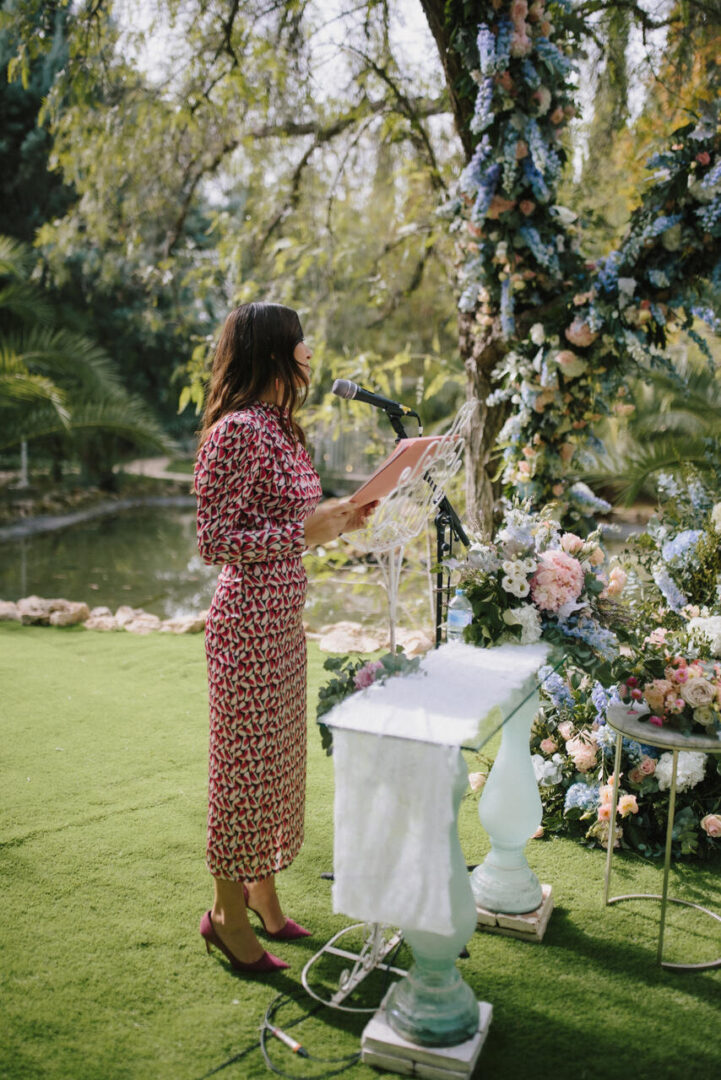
290, 932
265, 965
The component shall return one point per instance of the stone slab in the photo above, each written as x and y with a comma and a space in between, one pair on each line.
528, 927
386, 1049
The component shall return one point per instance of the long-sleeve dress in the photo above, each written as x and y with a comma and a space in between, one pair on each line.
255, 489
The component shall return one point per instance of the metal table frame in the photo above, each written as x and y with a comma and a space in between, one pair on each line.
625, 722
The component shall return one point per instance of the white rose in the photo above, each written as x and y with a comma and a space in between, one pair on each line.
697, 692
538, 334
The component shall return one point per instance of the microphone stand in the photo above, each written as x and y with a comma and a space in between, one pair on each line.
448, 528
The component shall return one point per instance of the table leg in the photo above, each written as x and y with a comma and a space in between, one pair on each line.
612, 822
667, 860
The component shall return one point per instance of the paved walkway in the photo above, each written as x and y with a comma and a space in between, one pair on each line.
155, 467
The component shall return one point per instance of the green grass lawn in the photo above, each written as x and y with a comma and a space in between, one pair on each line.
103, 974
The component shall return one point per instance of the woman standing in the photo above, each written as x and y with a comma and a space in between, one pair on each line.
258, 496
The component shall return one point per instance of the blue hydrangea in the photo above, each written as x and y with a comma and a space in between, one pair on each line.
535, 180
503, 43
553, 58
582, 797
598, 637
607, 271
530, 74
679, 551
601, 699
555, 687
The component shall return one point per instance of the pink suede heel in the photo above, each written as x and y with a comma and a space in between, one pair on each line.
263, 966
290, 932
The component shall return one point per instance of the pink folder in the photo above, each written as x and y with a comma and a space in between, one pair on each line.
406, 455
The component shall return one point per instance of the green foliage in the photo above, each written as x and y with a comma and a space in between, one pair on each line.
343, 684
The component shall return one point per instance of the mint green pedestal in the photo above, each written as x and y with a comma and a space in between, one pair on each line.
510, 811
433, 1006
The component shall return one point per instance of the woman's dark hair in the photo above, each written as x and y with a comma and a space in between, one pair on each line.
254, 349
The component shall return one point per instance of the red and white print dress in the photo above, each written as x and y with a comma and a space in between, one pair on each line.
255, 489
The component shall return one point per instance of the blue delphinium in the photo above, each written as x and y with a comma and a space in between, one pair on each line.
483, 115
486, 42
472, 175
601, 699
553, 58
582, 797
605, 738
486, 191
669, 589
582, 494
508, 323
535, 179
503, 43
544, 254
530, 75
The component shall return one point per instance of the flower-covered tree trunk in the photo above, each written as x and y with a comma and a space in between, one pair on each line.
548, 339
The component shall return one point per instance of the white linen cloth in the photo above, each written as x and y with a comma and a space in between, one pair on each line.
396, 755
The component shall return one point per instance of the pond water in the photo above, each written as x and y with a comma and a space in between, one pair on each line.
148, 558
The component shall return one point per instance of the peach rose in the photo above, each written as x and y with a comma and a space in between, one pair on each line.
627, 804
565, 730
549, 746
526, 206
711, 824
604, 812
656, 693
616, 582
580, 333
596, 557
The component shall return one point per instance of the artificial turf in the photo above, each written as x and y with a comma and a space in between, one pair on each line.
103, 975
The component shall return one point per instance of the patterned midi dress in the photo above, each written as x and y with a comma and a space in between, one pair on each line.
254, 490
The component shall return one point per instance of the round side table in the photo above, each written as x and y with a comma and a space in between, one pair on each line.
625, 721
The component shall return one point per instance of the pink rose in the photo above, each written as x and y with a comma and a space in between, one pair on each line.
526, 206
580, 333
627, 804
596, 557
557, 581
647, 765
657, 636
636, 775
520, 44
604, 812
565, 730
367, 674
703, 158
571, 543
656, 721
549, 746
711, 824
557, 116
583, 752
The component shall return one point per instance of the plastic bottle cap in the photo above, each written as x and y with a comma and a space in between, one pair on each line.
460, 592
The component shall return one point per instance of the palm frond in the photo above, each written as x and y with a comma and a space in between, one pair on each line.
628, 469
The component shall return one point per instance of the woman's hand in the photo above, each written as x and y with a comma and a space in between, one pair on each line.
333, 517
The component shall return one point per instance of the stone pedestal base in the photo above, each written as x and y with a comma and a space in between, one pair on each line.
382, 1047
529, 927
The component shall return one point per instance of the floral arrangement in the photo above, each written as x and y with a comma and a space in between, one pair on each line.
573, 751
680, 552
533, 581
682, 689
354, 673
520, 252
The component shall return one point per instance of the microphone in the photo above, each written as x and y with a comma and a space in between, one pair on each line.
344, 388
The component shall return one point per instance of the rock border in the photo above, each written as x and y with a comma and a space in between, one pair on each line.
342, 637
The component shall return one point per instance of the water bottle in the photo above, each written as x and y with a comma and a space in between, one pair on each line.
460, 615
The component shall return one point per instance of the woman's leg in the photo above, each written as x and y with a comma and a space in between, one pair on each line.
230, 919
263, 898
